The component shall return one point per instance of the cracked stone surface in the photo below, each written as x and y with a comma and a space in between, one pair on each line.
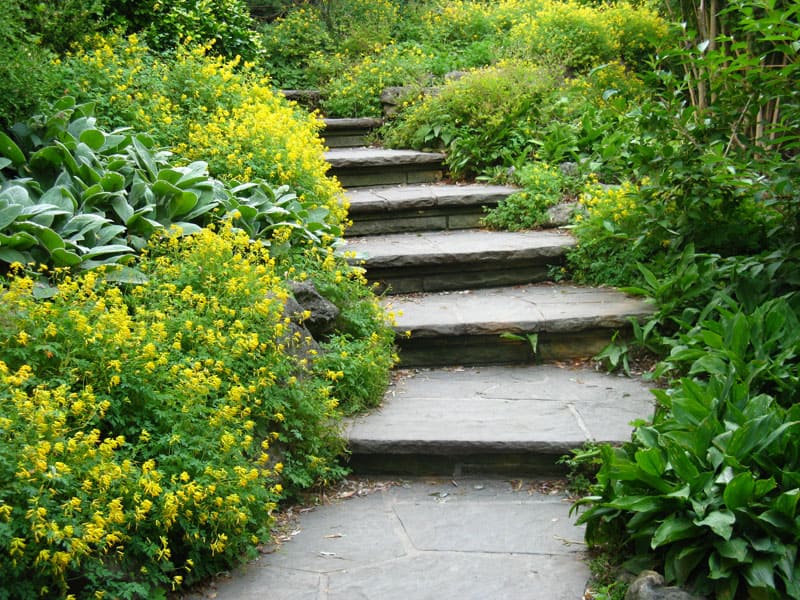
453, 247
471, 539
342, 158
424, 196
517, 309
535, 408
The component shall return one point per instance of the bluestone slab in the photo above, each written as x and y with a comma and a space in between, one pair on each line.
417, 197
518, 309
537, 409
470, 539
365, 157
443, 248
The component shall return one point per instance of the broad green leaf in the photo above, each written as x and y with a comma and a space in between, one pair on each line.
171, 176
651, 461
9, 255
16, 194
49, 155
182, 204
719, 567
65, 258
682, 561
21, 240
163, 187
108, 233
779, 521
642, 503
10, 150
5, 162
94, 138
760, 574
720, 522
111, 249
188, 228
124, 210
9, 214
787, 503
50, 239
60, 197
127, 275
673, 529
739, 491
680, 462
112, 182
736, 549
192, 174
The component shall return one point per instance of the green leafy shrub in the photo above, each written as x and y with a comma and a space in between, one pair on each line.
526, 209
224, 25
358, 92
291, 44
485, 119
360, 25
709, 491
611, 236
563, 33
460, 23
137, 422
639, 32
26, 68
58, 25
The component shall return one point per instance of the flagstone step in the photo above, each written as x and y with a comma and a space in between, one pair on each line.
348, 133
547, 322
367, 167
497, 419
398, 209
451, 260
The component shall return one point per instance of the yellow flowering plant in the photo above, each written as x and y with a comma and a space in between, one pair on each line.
148, 431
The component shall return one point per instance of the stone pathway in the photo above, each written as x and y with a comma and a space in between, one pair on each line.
481, 400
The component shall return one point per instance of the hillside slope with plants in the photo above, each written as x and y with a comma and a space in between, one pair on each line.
159, 198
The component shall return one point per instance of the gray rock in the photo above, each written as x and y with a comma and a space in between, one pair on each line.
649, 585
323, 312
560, 214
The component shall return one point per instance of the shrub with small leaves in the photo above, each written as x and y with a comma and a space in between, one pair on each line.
526, 209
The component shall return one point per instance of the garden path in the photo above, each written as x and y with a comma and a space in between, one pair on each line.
457, 492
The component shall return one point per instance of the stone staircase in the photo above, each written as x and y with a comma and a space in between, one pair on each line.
482, 387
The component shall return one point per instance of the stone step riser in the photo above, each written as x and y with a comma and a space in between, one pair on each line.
381, 211
408, 221
515, 325
378, 176
461, 276
496, 349
370, 167
349, 133
422, 464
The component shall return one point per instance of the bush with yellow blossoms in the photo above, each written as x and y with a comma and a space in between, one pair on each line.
205, 107
149, 430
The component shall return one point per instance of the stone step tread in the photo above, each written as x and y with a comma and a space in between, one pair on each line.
350, 123
544, 409
472, 246
535, 308
420, 197
369, 157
